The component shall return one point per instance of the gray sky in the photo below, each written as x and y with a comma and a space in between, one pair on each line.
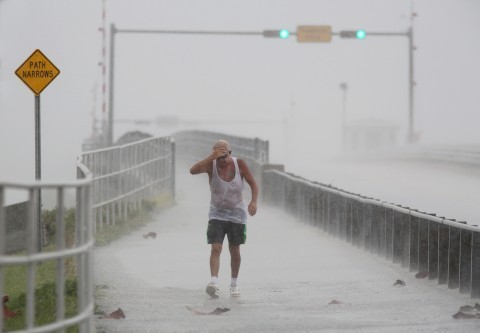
223, 79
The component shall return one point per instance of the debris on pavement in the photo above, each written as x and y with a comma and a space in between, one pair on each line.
399, 283
103, 286
117, 314
468, 312
217, 311
151, 234
421, 275
335, 302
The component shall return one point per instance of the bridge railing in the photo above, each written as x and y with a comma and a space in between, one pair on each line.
61, 253
442, 249
124, 176
456, 154
461, 155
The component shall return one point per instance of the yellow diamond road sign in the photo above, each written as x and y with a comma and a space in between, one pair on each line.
37, 72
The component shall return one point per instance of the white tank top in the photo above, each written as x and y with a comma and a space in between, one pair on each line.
226, 202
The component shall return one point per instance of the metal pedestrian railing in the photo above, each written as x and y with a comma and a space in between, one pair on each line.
442, 249
459, 155
124, 176
80, 253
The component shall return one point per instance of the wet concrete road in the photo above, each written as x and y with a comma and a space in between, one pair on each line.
290, 273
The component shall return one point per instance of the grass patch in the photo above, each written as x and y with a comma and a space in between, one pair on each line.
15, 276
136, 219
45, 300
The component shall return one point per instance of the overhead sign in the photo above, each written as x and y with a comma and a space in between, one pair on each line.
37, 72
314, 33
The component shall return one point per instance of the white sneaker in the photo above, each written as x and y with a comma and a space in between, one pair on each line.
234, 291
212, 290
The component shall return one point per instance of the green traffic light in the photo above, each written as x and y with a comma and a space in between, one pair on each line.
284, 33
361, 34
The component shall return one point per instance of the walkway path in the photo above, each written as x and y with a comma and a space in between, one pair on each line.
289, 275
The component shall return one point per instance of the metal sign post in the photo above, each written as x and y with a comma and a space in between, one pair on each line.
38, 172
37, 72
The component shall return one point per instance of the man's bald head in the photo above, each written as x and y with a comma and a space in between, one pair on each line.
222, 144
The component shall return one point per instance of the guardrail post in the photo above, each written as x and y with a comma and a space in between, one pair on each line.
432, 250
375, 229
367, 227
453, 258
465, 260
107, 188
330, 212
422, 245
397, 237
443, 254
301, 197
349, 221
309, 202
361, 220
413, 240
343, 218
382, 246
357, 217
333, 215
317, 217
118, 185
389, 234
313, 205
406, 240
475, 265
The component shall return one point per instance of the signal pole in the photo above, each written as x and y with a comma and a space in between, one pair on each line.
308, 34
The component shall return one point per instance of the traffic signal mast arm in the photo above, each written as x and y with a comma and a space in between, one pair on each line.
361, 34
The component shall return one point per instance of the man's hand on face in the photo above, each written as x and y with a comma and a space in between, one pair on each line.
220, 152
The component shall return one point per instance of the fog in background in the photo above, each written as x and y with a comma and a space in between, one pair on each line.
278, 90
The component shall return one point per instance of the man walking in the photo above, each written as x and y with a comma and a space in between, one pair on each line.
228, 212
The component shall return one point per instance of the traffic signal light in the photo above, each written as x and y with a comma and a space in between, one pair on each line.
361, 34
284, 33
358, 34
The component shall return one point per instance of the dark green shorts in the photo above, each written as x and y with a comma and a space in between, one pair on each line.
217, 229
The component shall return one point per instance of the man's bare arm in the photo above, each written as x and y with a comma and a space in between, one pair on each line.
205, 165
247, 175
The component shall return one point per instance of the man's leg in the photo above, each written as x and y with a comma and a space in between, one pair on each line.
212, 287
215, 259
235, 259
237, 235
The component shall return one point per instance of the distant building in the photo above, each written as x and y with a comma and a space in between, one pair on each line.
366, 135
